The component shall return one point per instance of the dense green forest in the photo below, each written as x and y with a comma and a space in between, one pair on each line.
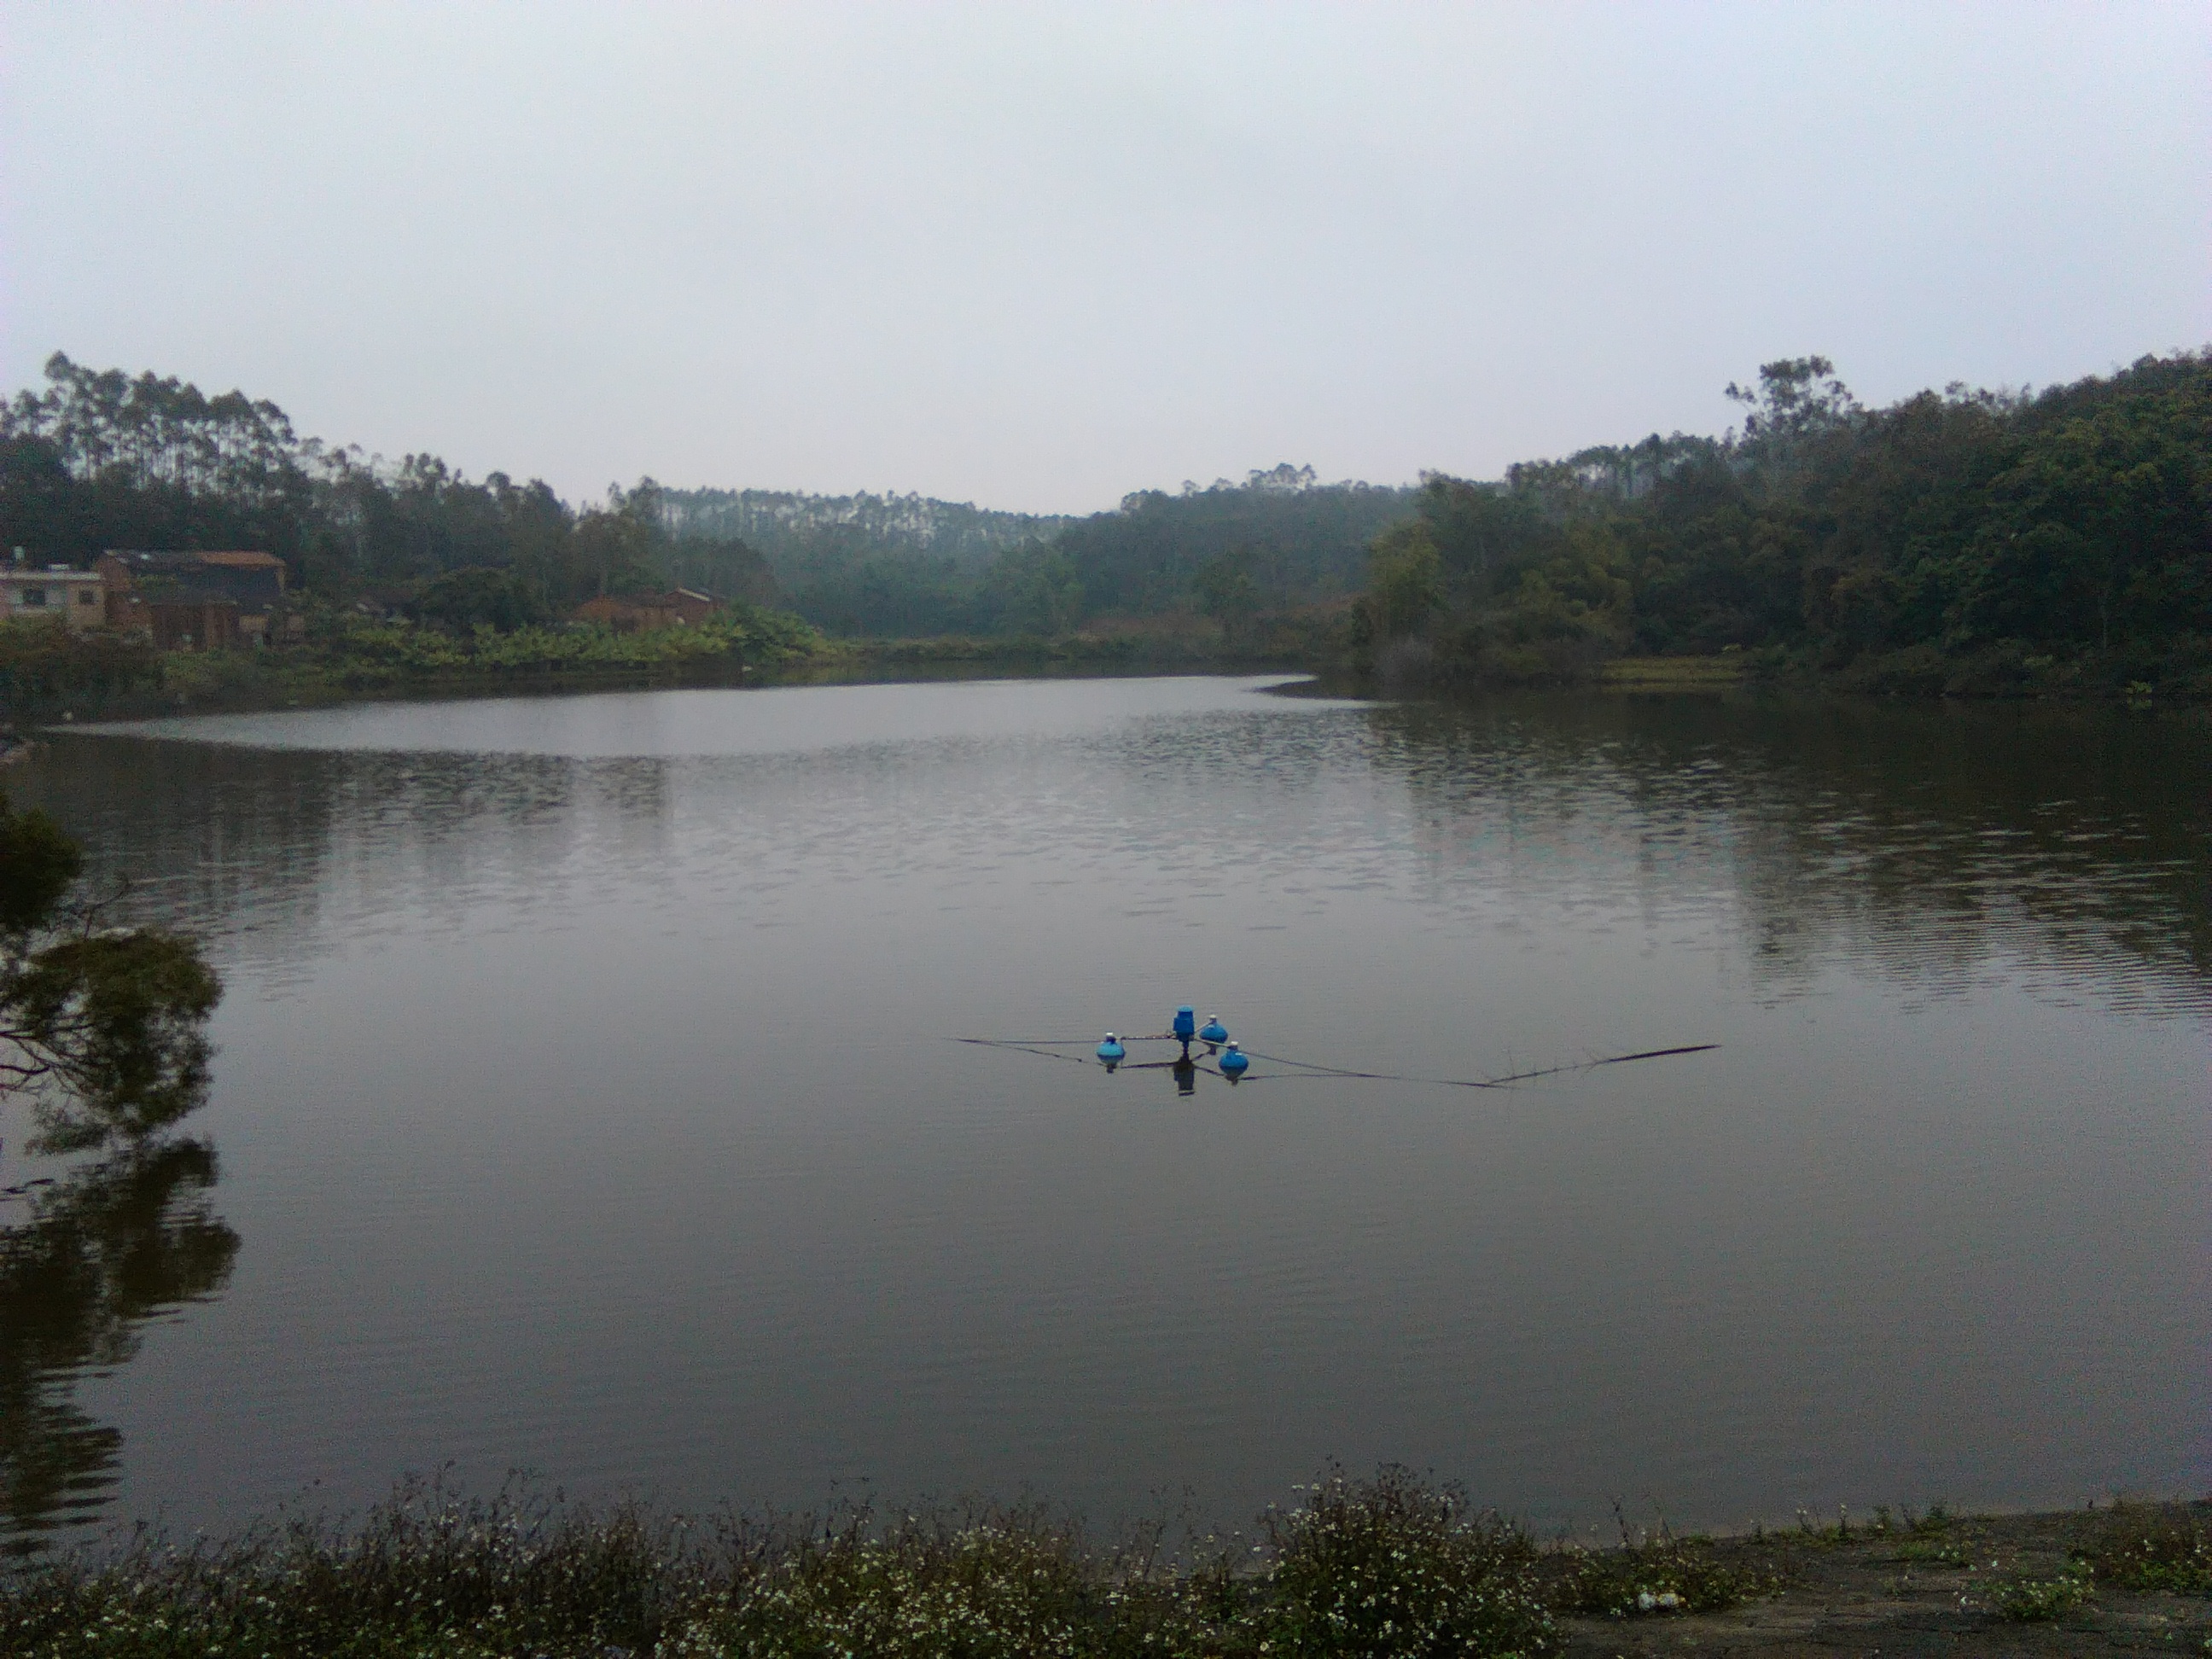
905, 566
900, 566
1967, 541
1278, 540
102, 459
1962, 540
792, 528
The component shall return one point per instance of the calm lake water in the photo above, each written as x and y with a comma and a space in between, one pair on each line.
588, 1103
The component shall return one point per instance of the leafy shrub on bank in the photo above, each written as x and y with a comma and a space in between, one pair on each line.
243, 674
1396, 1567
2038, 1601
43, 662
1389, 1567
2155, 1550
428, 1572
998, 1584
1658, 1574
741, 632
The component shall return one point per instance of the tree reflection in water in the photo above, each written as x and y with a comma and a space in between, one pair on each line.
1925, 845
102, 1251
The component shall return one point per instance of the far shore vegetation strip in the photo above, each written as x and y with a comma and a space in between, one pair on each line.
1964, 543
48, 674
1392, 1565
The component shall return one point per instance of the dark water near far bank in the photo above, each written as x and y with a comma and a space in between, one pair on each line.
585, 1103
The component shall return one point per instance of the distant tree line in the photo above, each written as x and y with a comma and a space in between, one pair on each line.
1279, 539
909, 566
1968, 540
897, 566
1955, 539
101, 459
790, 527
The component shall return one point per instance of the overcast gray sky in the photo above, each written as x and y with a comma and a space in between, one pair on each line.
1037, 255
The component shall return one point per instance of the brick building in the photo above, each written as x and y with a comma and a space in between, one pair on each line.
198, 600
635, 612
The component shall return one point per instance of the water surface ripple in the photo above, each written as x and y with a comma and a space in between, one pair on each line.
585, 1103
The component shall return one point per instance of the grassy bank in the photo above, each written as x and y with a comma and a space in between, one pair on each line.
1394, 1566
46, 674
2177, 678
1673, 673
1154, 650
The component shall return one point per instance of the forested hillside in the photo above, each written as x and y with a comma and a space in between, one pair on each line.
897, 565
1279, 539
905, 565
101, 459
788, 526
1960, 540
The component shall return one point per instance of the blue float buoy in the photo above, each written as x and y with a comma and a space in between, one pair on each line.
1186, 1024
1234, 1062
1112, 1052
1213, 1031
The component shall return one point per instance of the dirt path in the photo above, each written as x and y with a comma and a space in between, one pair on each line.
1931, 1591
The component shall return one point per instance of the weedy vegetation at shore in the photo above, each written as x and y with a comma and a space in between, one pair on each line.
1655, 1571
1391, 1565
2152, 1551
2037, 1600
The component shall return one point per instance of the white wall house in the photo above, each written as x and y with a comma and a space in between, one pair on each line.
73, 597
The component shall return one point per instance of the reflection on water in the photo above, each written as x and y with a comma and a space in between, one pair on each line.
1929, 845
102, 1252
583, 1091
1932, 845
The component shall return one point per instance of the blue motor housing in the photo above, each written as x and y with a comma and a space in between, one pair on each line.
1186, 1024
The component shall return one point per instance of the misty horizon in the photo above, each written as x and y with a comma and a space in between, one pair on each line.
1038, 260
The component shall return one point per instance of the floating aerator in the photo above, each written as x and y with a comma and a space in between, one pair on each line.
1213, 1031
1112, 1052
1186, 1024
1234, 1062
